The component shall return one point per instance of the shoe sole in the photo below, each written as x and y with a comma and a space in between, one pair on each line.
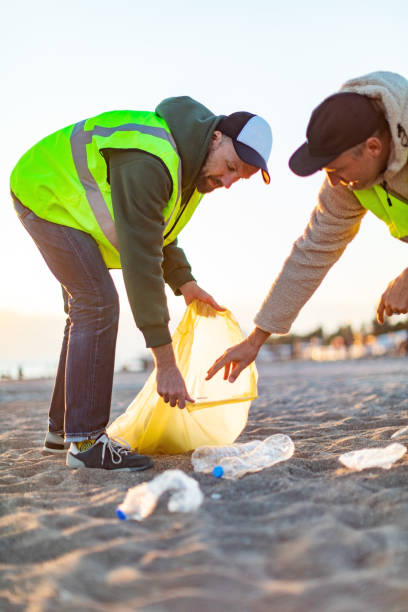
73, 462
54, 451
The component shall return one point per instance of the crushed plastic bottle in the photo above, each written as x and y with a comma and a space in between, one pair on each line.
373, 457
140, 501
400, 433
238, 459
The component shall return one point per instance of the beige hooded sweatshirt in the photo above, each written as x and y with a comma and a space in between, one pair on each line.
336, 218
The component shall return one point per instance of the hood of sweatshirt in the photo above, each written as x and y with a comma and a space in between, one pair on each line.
192, 125
390, 90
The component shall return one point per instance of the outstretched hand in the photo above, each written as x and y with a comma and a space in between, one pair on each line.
238, 357
234, 360
394, 300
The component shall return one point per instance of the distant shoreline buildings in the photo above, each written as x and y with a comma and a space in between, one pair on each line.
345, 343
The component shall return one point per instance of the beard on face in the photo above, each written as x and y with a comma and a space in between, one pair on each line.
203, 184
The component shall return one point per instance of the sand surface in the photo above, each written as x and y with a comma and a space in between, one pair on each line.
305, 535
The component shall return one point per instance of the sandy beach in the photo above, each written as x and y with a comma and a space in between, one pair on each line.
304, 535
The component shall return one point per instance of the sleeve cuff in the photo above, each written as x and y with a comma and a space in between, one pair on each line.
179, 277
156, 335
270, 328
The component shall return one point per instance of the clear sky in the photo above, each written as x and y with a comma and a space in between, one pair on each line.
62, 62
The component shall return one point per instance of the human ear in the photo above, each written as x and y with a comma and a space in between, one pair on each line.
216, 137
374, 146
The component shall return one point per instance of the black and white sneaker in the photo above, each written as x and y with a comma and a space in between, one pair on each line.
54, 444
108, 454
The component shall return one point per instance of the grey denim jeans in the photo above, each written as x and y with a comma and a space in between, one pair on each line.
80, 404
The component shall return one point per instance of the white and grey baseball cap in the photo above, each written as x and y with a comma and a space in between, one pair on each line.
252, 139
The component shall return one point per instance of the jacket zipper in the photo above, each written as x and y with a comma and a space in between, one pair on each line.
396, 195
385, 187
182, 209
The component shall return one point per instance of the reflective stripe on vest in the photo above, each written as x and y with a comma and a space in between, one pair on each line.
79, 139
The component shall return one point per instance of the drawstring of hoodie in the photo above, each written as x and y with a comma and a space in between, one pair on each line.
402, 135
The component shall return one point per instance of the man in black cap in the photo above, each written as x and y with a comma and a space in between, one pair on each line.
358, 137
112, 191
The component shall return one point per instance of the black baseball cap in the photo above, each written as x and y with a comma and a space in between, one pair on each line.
340, 122
252, 139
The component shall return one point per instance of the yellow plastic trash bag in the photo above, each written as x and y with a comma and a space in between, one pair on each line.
221, 410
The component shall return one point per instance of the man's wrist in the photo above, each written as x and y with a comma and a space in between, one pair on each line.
187, 286
258, 337
164, 356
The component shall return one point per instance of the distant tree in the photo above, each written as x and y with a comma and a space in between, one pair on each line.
377, 329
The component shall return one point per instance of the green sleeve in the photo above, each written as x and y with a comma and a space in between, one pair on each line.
141, 186
176, 269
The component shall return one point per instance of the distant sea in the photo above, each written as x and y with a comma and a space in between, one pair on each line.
48, 369
31, 344
26, 369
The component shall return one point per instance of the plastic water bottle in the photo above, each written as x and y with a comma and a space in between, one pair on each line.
235, 460
140, 501
400, 433
373, 457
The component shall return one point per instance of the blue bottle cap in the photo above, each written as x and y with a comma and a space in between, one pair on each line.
121, 515
218, 471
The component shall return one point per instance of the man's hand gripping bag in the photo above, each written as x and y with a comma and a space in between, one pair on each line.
220, 411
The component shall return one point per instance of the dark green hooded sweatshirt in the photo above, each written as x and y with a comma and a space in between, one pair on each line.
141, 187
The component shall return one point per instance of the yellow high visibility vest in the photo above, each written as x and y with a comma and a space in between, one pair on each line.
63, 178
